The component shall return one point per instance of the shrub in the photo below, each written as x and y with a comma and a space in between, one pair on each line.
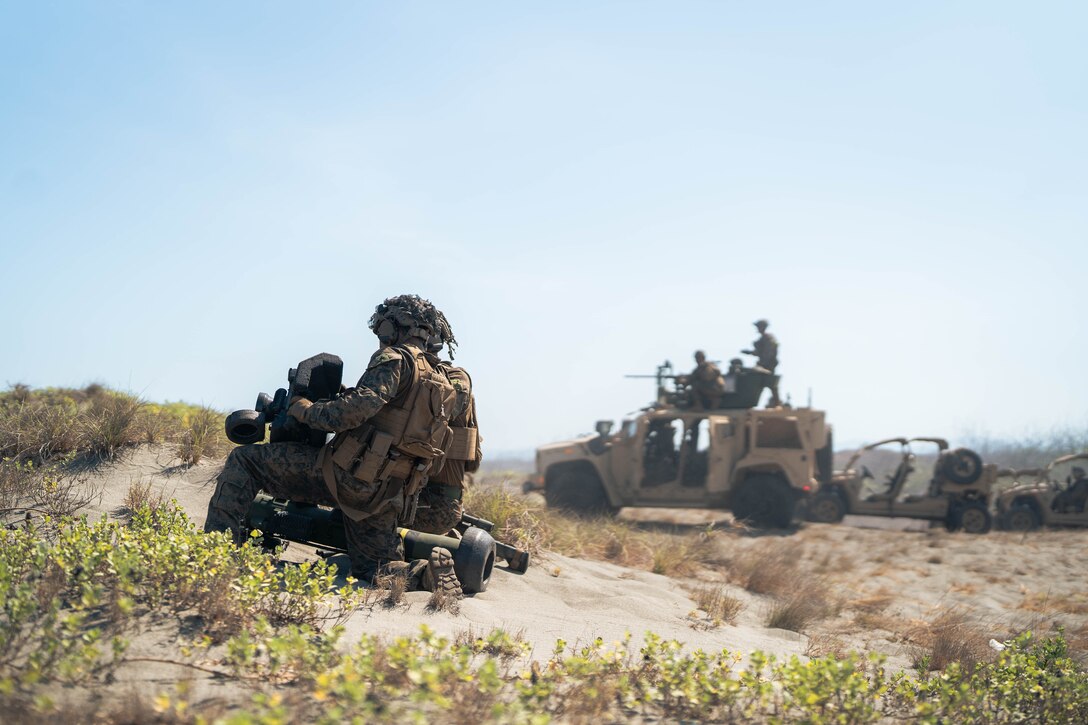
109, 424
68, 602
951, 638
53, 424
42, 490
203, 437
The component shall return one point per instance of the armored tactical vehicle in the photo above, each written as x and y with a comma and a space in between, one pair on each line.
1054, 496
918, 478
761, 464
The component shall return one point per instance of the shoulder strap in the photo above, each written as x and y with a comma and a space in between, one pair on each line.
413, 373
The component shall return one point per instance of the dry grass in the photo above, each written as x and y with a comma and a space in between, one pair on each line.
520, 522
204, 437
823, 645
767, 568
52, 424
393, 585
1046, 602
442, 601
139, 495
873, 603
110, 424
878, 621
719, 605
952, 636
803, 594
48, 490
810, 601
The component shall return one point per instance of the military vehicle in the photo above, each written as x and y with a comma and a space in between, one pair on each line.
1053, 496
917, 478
761, 464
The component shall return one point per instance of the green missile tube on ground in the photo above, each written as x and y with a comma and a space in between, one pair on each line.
473, 553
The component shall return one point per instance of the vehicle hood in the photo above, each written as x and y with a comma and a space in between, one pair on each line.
567, 447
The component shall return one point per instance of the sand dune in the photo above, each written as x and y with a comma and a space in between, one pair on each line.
889, 576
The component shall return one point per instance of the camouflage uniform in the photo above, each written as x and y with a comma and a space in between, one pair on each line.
441, 500
766, 350
707, 385
292, 471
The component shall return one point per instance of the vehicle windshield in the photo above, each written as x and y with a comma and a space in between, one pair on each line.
882, 462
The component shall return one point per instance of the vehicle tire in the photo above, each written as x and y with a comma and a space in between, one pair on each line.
962, 466
579, 492
973, 518
1020, 517
764, 501
827, 507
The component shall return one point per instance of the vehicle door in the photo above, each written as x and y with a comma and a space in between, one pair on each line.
625, 454
724, 450
780, 441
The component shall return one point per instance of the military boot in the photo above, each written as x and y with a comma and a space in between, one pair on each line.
440, 576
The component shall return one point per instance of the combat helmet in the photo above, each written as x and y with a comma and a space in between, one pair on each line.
412, 316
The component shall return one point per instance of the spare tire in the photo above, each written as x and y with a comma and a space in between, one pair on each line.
962, 466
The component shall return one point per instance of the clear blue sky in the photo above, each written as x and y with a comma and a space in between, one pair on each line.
194, 196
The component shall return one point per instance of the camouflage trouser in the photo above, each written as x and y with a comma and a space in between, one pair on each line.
438, 512
291, 471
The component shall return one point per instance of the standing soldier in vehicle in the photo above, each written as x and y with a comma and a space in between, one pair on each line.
391, 430
766, 351
440, 501
706, 383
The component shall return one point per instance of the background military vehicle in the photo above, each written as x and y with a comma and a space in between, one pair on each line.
915, 478
761, 463
1053, 496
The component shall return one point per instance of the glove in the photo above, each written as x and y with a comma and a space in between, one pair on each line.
298, 407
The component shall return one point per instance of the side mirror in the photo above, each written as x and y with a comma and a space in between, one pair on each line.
604, 427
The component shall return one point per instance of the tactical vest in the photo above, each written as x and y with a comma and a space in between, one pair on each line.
464, 453
406, 439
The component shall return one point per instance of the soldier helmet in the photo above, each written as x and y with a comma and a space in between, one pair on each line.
762, 324
414, 316
1078, 472
700, 355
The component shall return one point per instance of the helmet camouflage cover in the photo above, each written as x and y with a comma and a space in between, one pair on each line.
419, 317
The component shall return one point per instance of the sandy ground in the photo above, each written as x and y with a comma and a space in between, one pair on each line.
888, 576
